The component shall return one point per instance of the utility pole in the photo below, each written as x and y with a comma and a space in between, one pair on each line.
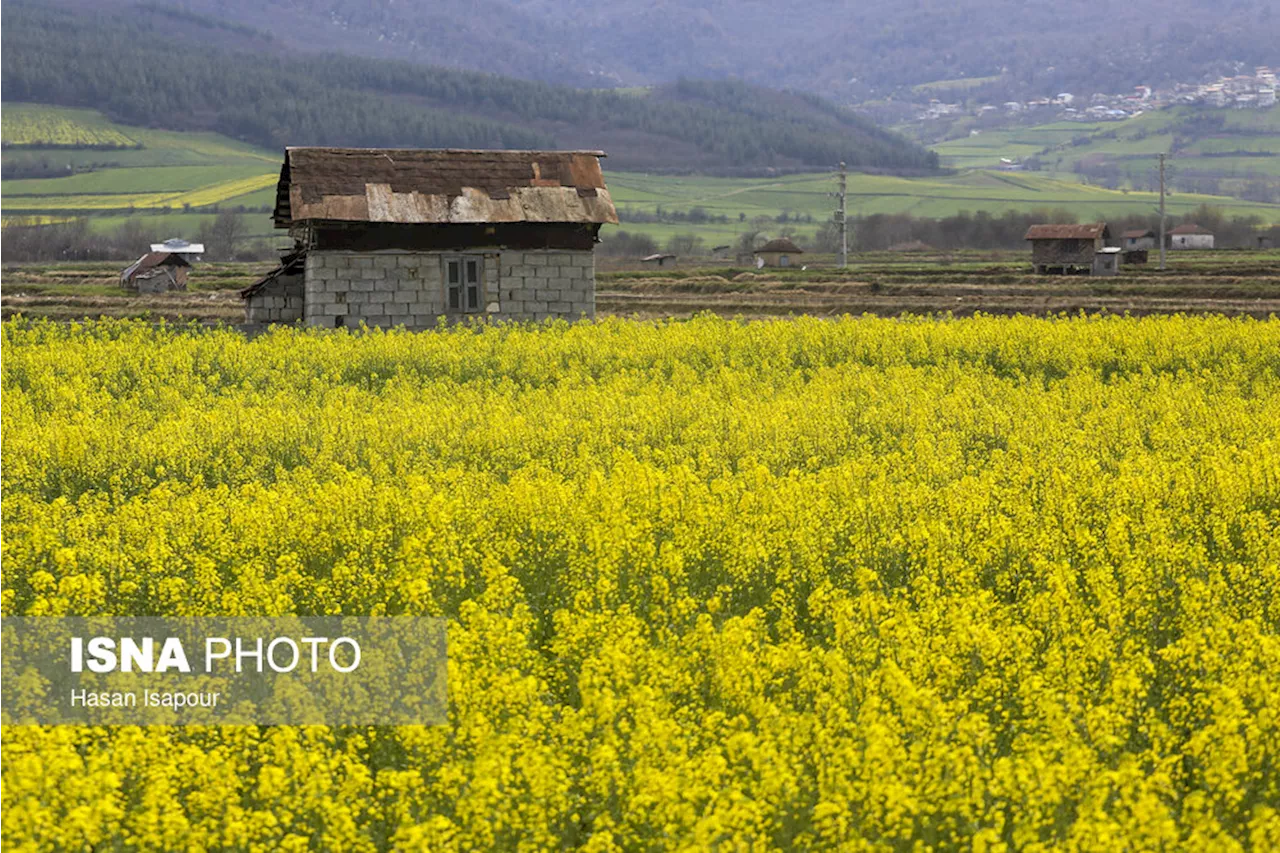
1162, 213
843, 218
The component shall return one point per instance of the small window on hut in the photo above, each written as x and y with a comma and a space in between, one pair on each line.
462, 283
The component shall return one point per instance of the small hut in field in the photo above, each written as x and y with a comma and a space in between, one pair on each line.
1067, 248
162, 269
1138, 239
1190, 236
777, 253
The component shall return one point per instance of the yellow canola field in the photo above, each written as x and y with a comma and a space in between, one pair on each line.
35, 125
990, 584
36, 219
200, 197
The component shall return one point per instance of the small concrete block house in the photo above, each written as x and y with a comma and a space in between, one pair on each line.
777, 253
1066, 248
1107, 261
1190, 236
402, 237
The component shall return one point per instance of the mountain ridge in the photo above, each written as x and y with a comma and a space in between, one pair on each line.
828, 47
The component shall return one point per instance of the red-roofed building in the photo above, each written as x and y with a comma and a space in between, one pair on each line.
1190, 236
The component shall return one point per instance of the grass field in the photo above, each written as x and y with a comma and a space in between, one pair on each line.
742, 200
883, 283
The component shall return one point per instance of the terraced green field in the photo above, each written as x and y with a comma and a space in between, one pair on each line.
175, 180
163, 170
987, 148
1062, 145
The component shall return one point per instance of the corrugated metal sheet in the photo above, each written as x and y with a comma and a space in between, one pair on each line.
441, 186
150, 261
291, 264
179, 246
1091, 231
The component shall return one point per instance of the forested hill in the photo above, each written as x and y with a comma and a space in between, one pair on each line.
148, 66
841, 50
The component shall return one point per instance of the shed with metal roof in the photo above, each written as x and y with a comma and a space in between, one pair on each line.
777, 253
395, 236
1066, 248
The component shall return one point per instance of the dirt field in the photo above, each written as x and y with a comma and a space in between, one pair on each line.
1227, 282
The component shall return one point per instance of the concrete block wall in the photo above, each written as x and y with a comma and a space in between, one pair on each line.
279, 302
407, 288
546, 283
377, 288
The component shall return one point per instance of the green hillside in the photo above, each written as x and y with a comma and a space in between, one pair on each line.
180, 176
1229, 152
174, 181
250, 88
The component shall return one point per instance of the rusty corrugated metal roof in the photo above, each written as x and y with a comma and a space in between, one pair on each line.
1090, 231
151, 260
410, 185
1190, 228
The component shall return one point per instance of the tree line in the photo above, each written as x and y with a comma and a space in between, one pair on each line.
225, 237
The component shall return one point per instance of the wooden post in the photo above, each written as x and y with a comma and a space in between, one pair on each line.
1162, 213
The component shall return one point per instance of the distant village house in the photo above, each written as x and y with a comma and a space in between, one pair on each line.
777, 253
1138, 239
402, 237
1190, 236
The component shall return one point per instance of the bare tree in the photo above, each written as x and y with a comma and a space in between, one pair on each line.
221, 234
685, 244
749, 241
